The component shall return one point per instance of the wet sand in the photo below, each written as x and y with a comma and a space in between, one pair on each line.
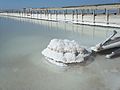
22, 66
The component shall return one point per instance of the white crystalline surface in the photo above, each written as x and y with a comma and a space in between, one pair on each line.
65, 51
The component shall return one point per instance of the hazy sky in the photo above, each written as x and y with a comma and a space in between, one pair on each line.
50, 3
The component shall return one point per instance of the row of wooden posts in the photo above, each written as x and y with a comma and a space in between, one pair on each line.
65, 12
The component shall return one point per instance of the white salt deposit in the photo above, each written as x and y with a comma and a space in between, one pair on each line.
64, 52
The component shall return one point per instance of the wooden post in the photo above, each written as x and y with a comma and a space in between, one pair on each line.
82, 15
65, 12
47, 15
19, 13
40, 14
31, 13
107, 16
88, 11
54, 12
73, 15
50, 15
56, 15
37, 14
44, 13
118, 10
64, 16
105, 11
93, 16
77, 15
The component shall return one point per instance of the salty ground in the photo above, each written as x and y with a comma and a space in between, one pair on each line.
22, 66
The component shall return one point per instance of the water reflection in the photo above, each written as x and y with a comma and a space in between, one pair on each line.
91, 34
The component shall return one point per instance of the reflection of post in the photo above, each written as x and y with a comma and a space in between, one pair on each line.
65, 27
107, 16
73, 28
82, 30
57, 25
93, 36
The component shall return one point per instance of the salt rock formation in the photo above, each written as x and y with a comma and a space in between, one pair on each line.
63, 52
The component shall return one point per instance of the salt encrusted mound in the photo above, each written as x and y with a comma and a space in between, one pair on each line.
64, 52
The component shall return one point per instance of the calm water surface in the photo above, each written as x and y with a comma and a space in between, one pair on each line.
22, 67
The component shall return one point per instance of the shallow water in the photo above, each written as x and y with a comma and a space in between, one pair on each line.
22, 67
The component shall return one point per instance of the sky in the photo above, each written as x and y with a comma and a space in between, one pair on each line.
6, 4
